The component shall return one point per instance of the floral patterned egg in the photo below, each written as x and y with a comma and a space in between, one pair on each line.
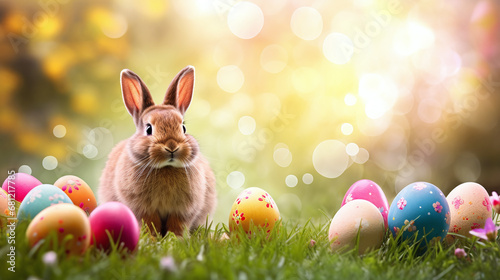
78, 191
254, 205
357, 217
469, 207
40, 198
369, 191
67, 221
420, 208
20, 184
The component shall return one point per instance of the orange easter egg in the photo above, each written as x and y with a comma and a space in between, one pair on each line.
78, 191
68, 221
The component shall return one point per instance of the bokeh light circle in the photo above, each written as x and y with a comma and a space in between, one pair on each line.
307, 178
347, 128
350, 99
235, 179
115, 27
25, 169
291, 181
338, 48
362, 156
330, 159
306, 23
246, 125
49, 163
352, 149
282, 157
245, 20
90, 151
59, 131
274, 58
230, 78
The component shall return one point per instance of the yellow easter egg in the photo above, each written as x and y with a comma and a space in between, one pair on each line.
78, 191
67, 221
254, 206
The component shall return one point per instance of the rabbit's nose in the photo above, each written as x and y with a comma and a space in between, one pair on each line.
171, 146
170, 150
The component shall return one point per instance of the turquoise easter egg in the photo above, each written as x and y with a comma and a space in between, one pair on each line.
420, 208
40, 198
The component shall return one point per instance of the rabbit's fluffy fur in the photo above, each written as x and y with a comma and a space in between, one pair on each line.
159, 172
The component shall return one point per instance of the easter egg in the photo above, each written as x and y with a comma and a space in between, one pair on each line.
469, 207
420, 208
357, 217
119, 221
5, 213
19, 184
40, 198
67, 221
369, 191
78, 191
254, 206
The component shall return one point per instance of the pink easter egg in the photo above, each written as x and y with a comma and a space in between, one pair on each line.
370, 191
20, 184
117, 219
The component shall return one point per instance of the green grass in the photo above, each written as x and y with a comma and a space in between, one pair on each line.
286, 254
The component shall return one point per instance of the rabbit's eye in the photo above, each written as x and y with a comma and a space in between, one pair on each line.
184, 128
149, 129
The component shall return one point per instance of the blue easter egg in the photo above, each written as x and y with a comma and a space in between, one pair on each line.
420, 208
40, 198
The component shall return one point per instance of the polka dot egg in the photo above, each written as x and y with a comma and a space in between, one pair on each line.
420, 208
19, 184
67, 221
369, 191
40, 198
254, 206
78, 191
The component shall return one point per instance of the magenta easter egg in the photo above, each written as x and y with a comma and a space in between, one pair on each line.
20, 184
117, 219
370, 191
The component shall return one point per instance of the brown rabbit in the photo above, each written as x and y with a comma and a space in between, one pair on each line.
160, 172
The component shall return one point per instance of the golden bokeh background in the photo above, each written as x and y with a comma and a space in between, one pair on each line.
301, 98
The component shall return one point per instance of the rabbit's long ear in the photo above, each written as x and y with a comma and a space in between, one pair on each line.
180, 91
136, 95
